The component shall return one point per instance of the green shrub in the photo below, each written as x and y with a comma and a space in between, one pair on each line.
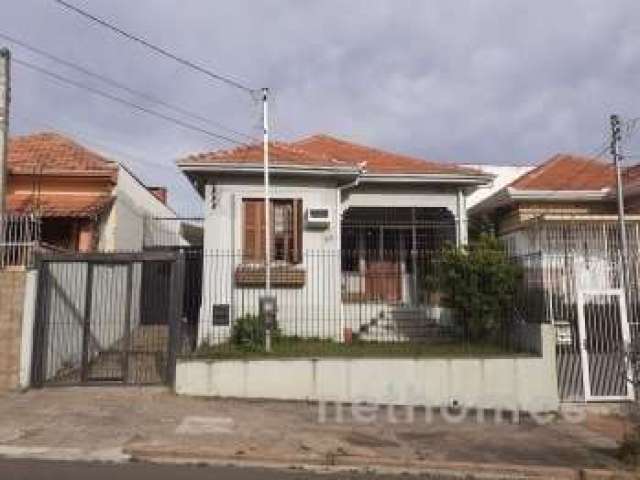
248, 333
478, 283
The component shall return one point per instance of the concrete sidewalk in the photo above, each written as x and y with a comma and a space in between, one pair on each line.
98, 423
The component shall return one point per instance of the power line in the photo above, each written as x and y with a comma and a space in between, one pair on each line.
157, 49
127, 103
121, 86
106, 149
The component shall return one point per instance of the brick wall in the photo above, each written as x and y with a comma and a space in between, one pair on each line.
12, 288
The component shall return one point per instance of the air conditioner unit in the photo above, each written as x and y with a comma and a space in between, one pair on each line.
318, 217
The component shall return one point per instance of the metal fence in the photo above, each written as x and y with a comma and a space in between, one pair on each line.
594, 303
572, 235
360, 303
107, 318
19, 239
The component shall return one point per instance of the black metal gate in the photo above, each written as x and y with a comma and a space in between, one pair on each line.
108, 318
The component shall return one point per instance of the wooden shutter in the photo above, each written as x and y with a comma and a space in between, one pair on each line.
297, 230
253, 235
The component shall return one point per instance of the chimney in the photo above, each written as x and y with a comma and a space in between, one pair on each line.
160, 193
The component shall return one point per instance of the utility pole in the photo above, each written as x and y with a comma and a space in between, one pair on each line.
268, 305
616, 137
5, 95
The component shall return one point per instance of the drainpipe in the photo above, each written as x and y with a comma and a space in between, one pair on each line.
342, 188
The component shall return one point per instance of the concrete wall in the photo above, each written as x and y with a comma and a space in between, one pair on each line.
223, 249
12, 290
513, 382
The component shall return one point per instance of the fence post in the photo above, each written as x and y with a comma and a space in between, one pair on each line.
175, 315
127, 324
40, 325
86, 329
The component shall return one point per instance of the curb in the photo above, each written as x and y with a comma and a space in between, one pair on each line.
439, 470
112, 455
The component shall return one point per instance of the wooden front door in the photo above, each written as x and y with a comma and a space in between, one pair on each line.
383, 281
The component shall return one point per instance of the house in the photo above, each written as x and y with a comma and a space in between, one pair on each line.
84, 201
566, 203
347, 224
560, 220
503, 176
67, 186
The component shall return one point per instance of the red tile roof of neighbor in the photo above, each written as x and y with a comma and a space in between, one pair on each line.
327, 151
48, 153
632, 179
53, 154
565, 172
68, 205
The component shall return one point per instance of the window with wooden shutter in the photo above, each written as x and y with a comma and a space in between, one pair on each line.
253, 235
286, 230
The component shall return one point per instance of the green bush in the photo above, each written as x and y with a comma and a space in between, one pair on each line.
248, 333
478, 283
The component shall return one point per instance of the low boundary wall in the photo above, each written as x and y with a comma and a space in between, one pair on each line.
526, 383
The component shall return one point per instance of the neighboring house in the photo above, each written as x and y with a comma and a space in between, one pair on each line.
503, 176
140, 217
85, 202
68, 186
567, 203
345, 221
560, 220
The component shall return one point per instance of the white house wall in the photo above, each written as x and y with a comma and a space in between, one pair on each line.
402, 195
321, 293
223, 249
124, 227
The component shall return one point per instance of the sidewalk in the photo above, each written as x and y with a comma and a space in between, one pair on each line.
153, 424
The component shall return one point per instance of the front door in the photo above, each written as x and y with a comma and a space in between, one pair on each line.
604, 340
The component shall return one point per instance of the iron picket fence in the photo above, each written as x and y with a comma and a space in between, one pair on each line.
355, 303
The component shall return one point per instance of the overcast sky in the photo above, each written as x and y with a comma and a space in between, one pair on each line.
507, 82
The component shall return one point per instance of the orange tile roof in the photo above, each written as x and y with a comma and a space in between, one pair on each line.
56, 205
279, 154
566, 172
47, 153
377, 161
631, 179
327, 151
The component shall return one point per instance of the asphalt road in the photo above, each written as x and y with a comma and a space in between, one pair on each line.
44, 470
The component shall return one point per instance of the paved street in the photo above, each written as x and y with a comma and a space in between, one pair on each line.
38, 470
147, 424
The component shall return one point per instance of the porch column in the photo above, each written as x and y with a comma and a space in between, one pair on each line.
462, 235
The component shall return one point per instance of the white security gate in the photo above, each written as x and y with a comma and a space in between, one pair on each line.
604, 339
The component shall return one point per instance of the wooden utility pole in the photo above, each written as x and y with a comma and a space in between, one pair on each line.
5, 95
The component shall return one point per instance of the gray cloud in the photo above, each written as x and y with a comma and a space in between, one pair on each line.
496, 81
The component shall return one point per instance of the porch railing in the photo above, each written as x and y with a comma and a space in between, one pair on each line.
19, 239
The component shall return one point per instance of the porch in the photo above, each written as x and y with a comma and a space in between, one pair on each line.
384, 251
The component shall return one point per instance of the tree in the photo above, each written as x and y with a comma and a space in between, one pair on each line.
478, 283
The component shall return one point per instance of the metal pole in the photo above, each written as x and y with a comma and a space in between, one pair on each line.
5, 95
616, 136
267, 208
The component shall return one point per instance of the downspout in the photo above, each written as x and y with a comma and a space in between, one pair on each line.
342, 188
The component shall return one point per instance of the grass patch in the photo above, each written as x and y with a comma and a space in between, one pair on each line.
317, 347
